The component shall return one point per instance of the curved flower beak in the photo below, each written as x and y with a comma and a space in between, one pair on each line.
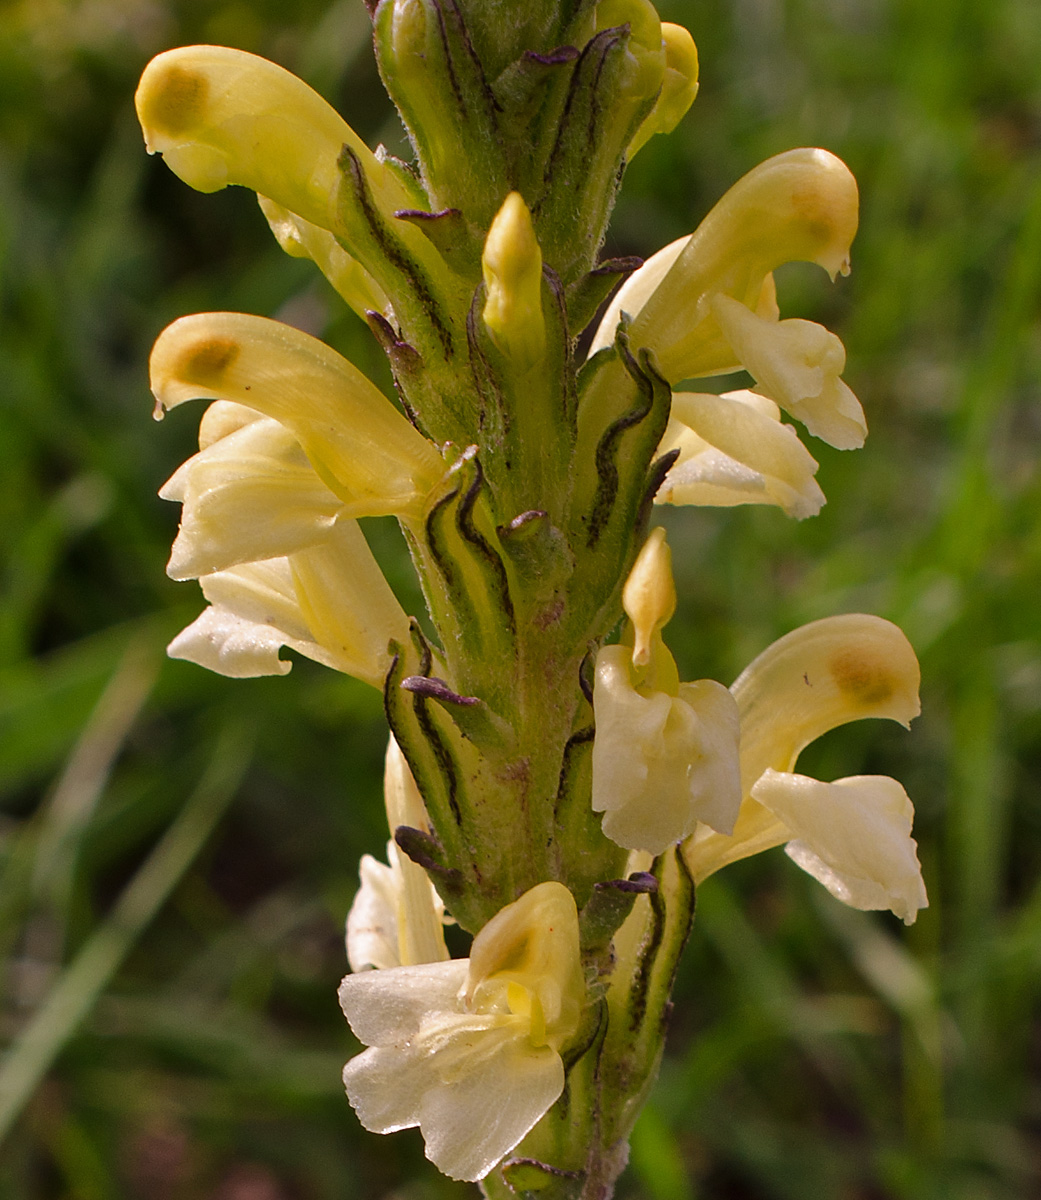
362, 448
220, 116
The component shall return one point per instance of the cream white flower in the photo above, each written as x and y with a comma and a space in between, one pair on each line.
854, 834
469, 1050
665, 753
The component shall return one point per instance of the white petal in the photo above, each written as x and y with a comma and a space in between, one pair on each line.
853, 835
797, 363
388, 1007
250, 496
661, 763
736, 451
372, 923
262, 592
472, 1123
230, 645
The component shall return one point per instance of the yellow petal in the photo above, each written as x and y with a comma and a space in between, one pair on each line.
301, 239
678, 89
361, 446
649, 594
533, 943
798, 364
347, 603
797, 206
735, 450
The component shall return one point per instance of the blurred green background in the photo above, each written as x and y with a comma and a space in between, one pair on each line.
178, 851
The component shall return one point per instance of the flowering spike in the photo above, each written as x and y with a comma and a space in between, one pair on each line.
532, 764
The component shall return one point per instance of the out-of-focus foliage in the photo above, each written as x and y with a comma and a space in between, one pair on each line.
178, 851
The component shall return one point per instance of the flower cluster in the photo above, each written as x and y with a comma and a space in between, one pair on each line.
557, 795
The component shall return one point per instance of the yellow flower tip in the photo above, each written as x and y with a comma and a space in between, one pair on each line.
190, 359
645, 27
870, 680
512, 267
825, 203
649, 594
171, 98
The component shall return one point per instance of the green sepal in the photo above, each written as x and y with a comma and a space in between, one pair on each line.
541, 559
470, 715
466, 580
448, 231
405, 173
434, 76
603, 109
624, 408
474, 850
426, 851
502, 32
638, 998
424, 292
605, 910
586, 854
429, 753
587, 294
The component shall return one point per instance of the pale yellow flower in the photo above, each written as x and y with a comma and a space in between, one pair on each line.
853, 835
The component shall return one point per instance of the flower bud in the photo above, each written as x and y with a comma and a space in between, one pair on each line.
649, 594
512, 266
678, 89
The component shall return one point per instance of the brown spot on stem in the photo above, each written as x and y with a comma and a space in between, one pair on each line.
206, 362
862, 676
175, 101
